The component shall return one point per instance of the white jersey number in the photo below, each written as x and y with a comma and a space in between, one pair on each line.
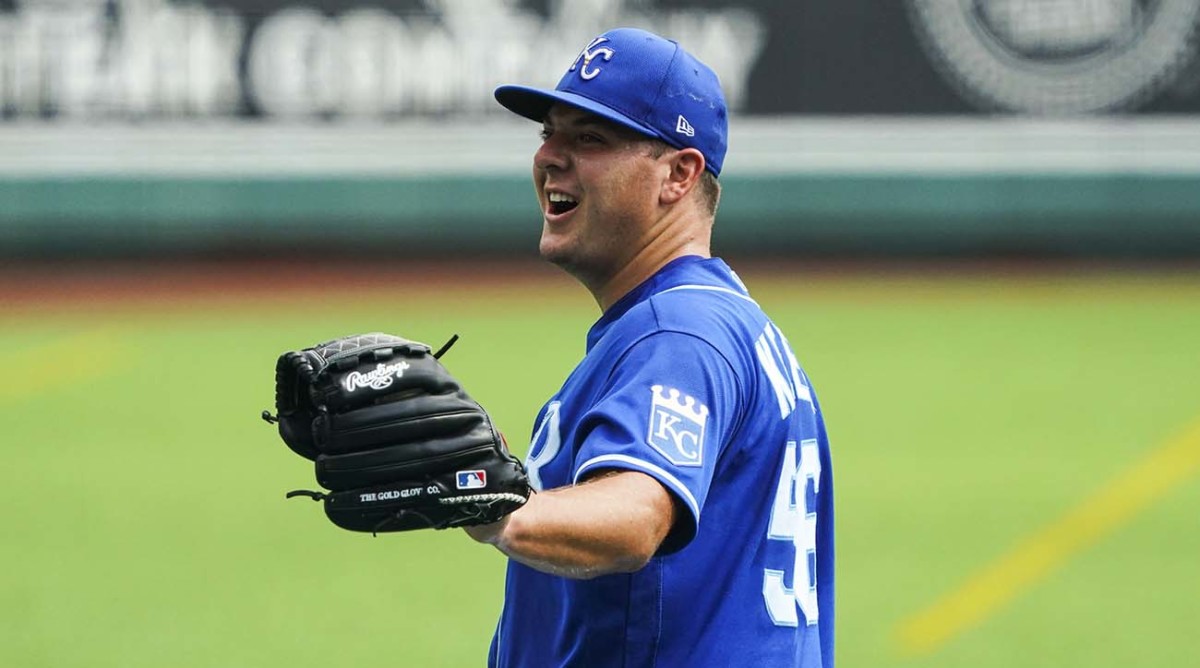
794, 519
544, 447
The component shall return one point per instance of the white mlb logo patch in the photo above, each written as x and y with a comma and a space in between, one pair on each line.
472, 479
677, 426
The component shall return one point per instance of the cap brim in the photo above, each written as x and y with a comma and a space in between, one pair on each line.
535, 103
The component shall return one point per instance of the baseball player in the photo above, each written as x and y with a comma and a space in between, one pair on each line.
685, 513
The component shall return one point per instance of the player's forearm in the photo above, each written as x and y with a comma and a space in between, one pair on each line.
556, 535
612, 525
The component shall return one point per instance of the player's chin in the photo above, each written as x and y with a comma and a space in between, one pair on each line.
554, 249
571, 260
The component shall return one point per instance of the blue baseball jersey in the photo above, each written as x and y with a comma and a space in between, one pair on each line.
686, 380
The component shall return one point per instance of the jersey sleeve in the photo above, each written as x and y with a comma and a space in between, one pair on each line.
668, 411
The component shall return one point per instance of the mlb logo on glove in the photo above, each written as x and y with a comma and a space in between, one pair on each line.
472, 479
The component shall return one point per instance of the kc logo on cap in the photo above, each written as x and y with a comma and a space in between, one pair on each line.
588, 55
641, 81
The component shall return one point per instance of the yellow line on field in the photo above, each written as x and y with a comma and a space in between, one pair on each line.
1007, 577
57, 362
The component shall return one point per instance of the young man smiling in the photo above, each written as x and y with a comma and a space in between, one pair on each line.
685, 515
599, 184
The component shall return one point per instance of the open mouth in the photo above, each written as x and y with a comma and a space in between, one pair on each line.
561, 203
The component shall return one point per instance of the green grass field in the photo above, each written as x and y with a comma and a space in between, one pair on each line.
144, 522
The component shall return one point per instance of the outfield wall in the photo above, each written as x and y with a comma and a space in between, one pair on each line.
812, 185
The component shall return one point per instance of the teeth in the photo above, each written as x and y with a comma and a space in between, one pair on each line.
560, 197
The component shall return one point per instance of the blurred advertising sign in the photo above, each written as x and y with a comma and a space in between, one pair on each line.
390, 59
330, 58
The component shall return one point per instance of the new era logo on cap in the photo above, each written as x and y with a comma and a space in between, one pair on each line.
644, 82
684, 128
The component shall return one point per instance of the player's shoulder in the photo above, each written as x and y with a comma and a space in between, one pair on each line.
697, 297
690, 322
706, 310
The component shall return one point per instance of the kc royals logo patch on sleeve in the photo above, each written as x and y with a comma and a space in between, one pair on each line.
677, 426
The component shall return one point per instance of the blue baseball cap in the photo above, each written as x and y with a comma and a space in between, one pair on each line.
644, 82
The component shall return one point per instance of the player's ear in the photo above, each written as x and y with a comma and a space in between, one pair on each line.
686, 168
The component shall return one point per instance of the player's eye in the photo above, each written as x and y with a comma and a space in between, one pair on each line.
545, 134
590, 138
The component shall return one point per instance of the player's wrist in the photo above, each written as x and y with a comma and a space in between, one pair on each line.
489, 534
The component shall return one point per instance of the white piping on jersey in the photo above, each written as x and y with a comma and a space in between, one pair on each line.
638, 463
710, 288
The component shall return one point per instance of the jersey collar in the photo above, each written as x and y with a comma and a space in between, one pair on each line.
686, 270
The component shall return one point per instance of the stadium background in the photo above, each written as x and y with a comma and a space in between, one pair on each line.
978, 222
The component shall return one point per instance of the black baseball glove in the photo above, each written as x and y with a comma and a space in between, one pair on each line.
396, 440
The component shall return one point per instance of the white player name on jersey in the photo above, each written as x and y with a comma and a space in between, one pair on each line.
780, 365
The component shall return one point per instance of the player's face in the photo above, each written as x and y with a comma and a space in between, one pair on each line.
598, 184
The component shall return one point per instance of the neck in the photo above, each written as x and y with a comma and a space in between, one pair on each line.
668, 241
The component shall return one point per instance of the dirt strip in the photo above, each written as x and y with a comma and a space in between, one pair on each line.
81, 285
86, 285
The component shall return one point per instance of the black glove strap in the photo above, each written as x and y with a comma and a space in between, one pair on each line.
315, 496
445, 346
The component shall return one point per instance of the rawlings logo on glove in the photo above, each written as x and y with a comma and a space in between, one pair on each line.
394, 437
378, 379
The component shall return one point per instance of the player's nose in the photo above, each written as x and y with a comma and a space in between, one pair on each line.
552, 154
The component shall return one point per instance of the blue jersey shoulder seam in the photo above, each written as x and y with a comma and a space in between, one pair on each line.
732, 367
733, 370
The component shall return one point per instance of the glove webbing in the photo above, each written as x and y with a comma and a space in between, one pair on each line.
270, 418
